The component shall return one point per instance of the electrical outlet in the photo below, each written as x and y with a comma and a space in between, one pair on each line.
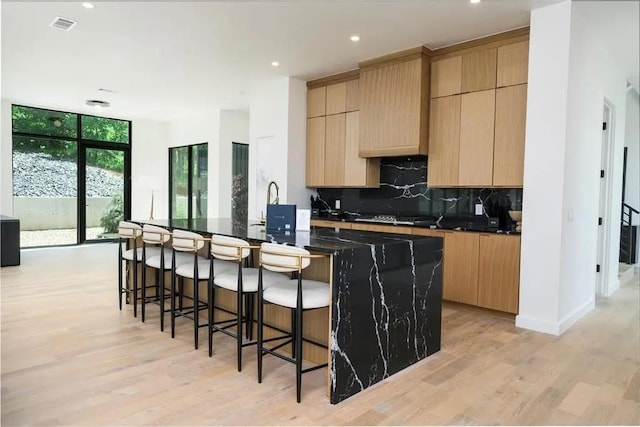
479, 209
338, 204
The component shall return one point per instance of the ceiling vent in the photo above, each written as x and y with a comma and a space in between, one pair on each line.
63, 23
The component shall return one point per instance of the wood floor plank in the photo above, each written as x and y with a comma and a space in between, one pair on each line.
70, 357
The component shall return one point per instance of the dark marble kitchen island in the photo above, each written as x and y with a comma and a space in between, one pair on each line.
386, 297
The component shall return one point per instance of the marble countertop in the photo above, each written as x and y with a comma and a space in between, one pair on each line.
318, 239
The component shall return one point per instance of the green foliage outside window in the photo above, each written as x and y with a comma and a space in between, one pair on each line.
48, 123
113, 215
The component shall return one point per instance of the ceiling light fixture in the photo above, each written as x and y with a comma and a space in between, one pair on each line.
275, 63
355, 38
88, 5
475, 1
97, 104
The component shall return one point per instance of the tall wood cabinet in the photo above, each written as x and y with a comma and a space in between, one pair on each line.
477, 117
332, 158
394, 104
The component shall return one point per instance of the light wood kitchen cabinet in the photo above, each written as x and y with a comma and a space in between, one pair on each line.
353, 95
461, 256
358, 172
446, 77
477, 115
513, 64
333, 138
479, 70
330, 224
316, 102
315, 152
394, 229
508, 149
394, 107
334, 150
444, 141
336, 98
499, 272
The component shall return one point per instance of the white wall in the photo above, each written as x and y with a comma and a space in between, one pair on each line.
149, 169
6, 163
196, 130
594, 76
570, 75
234, 127
540, 265
278, 118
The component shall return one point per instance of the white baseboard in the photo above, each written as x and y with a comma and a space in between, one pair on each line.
538, 325
577, 314
555, 328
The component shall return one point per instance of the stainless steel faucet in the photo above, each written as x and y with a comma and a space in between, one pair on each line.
277, 199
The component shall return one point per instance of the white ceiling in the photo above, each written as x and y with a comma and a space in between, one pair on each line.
172, 59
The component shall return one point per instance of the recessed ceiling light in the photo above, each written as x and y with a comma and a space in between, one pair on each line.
275, 63
355, 38
475, 1
88, 5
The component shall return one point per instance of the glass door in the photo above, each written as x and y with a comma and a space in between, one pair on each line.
105, 192
188, 182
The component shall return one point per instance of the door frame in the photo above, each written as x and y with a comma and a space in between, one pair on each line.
605, 200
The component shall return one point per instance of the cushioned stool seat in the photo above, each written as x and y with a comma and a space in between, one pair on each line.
314, 294
229, 280
128, 255
155, 261
220, 267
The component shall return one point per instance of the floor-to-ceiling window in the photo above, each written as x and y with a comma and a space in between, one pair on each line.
188, 181
240, 184
71, 176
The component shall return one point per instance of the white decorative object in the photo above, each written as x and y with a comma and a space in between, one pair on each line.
303, 219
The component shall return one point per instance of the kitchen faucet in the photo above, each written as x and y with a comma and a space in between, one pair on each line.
277, 199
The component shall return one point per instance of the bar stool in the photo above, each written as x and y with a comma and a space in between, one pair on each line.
161, 260
128, 231
241, 280
297, 294
198, 268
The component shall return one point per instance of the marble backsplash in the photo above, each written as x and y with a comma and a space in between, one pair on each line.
403, 192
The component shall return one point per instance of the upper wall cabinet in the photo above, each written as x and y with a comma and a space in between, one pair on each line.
513, 64
446, 77
479, 70
333, 136
394, 107
316, 102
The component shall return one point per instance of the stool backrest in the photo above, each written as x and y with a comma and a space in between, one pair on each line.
129, 230
187, 241
282, 258
229, 248
155, 235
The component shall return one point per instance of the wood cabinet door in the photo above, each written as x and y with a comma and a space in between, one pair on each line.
477, 115
513, 64
316, 102
461, 267
353, 95
390, 110
315, 152
358, 172
499, 273
444, 141
479, 70
334, 150
394, 229
508, 149
446, 77
336, 98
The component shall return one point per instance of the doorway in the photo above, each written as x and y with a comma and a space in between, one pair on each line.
604, 221
188, 182
240, 184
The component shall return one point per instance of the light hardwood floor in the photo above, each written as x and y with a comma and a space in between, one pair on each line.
70, 357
